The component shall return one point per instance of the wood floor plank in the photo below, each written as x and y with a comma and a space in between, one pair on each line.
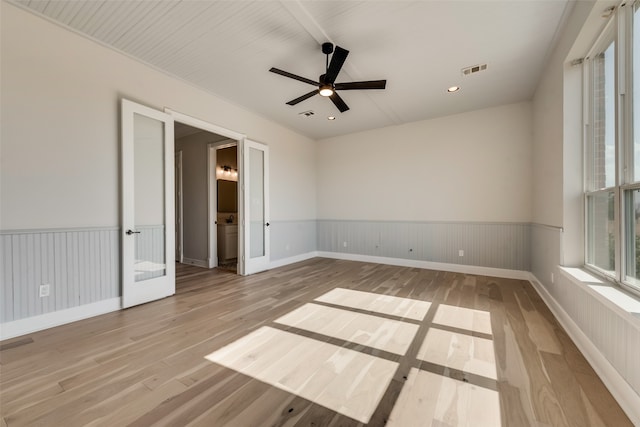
147, 365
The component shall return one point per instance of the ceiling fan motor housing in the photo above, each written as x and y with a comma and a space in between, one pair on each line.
327, 48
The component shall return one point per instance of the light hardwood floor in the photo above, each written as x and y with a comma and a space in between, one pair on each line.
322, 342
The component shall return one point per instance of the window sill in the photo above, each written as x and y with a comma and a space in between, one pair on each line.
616, 298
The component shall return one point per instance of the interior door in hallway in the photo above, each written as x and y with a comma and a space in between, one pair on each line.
148, 239
256, 207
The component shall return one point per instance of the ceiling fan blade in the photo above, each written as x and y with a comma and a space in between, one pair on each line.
337, 60
338, 102
293, 76
303, 97
371, 84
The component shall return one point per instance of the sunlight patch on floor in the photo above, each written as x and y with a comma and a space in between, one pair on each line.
346, 381
385, 304
459, 351
463, 318
428, 399
378, 332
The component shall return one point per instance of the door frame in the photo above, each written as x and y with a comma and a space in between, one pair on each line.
179, 206
212, 230
212, 151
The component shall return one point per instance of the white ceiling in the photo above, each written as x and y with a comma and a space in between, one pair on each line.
420, 47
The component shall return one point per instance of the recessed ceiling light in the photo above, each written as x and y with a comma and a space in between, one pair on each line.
331, 118
453, 89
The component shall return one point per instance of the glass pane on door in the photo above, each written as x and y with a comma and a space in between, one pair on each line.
149, 191
256, 198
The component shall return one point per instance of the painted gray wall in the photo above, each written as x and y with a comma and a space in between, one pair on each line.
291, 238
546, 253
81, 265
496, 245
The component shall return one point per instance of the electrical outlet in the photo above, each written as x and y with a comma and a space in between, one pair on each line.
460, 252
44, 290
344, 244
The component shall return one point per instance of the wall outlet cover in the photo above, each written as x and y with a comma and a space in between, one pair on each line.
44, 290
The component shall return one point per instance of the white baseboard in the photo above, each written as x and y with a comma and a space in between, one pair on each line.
197, 262
56, 318
293, 259
455, 268
620, 389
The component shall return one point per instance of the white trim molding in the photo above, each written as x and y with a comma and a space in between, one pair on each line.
29, 325
454, 268
204, 125
197, 262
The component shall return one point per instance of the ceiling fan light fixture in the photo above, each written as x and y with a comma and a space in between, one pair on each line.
326, 85
326, 90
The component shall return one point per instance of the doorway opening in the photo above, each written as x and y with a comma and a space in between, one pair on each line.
224, 155
196, 195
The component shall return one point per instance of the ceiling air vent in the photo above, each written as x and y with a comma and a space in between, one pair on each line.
306, 113
473, 69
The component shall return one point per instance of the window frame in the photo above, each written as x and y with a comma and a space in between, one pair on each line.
619, 30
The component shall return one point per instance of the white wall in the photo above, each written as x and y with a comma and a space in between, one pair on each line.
60, 129
474, 166
547, 151
557, 129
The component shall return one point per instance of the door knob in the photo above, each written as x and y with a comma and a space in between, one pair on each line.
130, 232
267, 224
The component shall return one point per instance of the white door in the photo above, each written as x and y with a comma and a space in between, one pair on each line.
256, 207
148, 239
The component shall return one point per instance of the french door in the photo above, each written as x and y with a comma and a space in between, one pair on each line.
256, 206
148, 239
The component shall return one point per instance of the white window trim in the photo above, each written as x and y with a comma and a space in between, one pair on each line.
619, 29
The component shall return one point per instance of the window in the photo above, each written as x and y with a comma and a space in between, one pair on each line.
612, 150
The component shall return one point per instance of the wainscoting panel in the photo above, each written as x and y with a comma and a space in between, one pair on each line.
496, 245
82, 266
292, 238
546, 253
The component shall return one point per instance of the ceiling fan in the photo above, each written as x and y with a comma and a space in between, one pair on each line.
326, 85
